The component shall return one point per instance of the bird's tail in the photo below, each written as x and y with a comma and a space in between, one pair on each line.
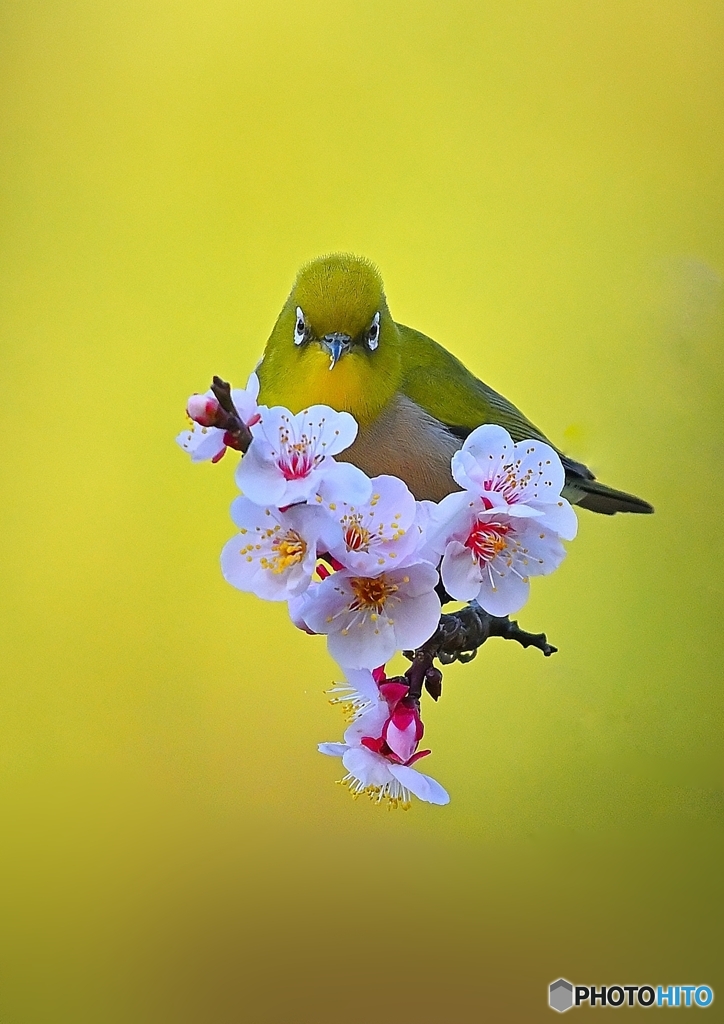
598, 497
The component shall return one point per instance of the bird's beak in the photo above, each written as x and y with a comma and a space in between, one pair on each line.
336, 345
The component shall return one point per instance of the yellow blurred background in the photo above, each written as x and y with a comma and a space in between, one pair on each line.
541, 186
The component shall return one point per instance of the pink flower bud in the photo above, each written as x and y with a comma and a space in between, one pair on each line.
203, 409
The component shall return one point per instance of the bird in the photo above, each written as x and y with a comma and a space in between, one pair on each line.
336, 343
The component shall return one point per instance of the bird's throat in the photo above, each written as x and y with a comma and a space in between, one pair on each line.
359, 383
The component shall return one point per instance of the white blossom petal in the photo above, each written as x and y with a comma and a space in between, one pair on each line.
376, 533
257, 476
360, 647
371, 769
460, 572
507, 594
333, 749
295, 451
335, 430
202, 443
275, 553
414, 621
359, 614
344, 482
539, 471
560, 517
422, 786
363, 681
245, 401
369, 724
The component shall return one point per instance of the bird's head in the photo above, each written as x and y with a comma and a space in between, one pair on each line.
335, 342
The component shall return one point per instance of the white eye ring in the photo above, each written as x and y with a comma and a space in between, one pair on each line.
300, 327
373, 335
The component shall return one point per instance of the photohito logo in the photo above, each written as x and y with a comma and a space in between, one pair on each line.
562, 995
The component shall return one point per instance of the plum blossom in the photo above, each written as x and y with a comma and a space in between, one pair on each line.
491, 554
368, 618
523, 479
207, 438
202, 443
403, 729
506, 525
373, 768
274, 554
290, 458
376, 534
358, 693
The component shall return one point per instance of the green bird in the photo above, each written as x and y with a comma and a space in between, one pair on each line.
335, 343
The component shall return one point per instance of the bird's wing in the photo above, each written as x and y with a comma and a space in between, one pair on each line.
447, 390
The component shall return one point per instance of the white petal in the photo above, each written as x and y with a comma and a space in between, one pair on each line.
252, 386
274, 421
326, 606
334, 431
247, 514
333, 749
422, 786
460, 572
300, 489
467, 471
370, 768
342, 482
451, 519
415, 620
416, 580
258, 476
249, 576
362, 680
366, 645
539, 471
244, 399
370, 723
297, 607
484, 453
249, 561
387, 517
507, 594
488, 438
202, 443
518, 510
545, 552
560, 517
393, 500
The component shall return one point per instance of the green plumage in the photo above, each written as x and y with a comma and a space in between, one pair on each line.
413, 400
440, 384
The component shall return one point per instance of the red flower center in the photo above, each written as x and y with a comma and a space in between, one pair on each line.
487, 540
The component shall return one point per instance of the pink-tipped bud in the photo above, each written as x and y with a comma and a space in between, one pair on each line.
203, 409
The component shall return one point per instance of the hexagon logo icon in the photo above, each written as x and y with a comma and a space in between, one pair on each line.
560, 995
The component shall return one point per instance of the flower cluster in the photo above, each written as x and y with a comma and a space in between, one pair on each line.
360, 561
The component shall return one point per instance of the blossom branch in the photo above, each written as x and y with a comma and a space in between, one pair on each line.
458, 637
228, 418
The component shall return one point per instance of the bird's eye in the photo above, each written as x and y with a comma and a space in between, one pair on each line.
373, 334
300, 327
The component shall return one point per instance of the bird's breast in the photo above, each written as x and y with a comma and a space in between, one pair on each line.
407, 442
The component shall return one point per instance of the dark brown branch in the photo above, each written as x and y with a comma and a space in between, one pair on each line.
458, 637
231, 422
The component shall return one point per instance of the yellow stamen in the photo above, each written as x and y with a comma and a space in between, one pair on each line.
371, 593
288, 551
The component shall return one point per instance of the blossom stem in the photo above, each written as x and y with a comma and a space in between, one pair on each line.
233, 424
458, 638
